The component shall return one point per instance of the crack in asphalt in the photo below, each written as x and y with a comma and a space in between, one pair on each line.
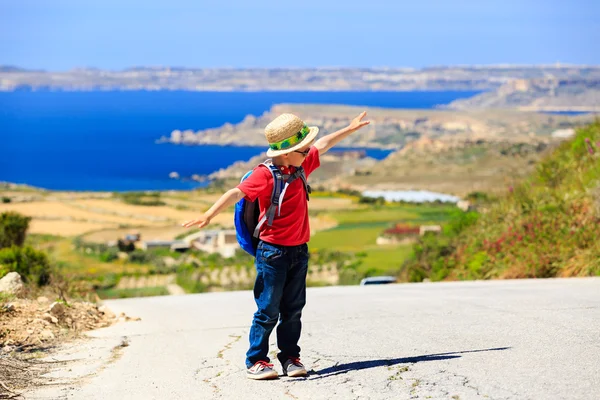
221, 363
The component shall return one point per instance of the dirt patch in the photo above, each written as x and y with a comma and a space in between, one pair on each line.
168, 232
53, 210
149, 213
64, 214
31, 328
331, 204
146, 233
64, 228
18, 373
28, 323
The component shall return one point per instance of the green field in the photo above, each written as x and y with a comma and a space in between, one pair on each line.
348, 252
137, 292
395, 213
342, 238
384, 260
358, 230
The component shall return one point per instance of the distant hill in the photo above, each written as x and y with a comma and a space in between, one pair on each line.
10, 68
450, 165
546, 226
543, 94
298, 79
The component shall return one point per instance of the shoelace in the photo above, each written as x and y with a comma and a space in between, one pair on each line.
296, 361
264, 364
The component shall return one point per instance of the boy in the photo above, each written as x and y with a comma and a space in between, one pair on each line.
282, 252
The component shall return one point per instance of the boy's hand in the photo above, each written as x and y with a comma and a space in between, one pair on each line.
358, 123
327, 142
201, 222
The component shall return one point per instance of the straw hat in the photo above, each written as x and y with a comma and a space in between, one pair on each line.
287, 133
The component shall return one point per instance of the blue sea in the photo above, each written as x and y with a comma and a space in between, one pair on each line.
566, 112
105, 141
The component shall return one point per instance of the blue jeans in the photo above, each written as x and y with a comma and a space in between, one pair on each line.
280, 293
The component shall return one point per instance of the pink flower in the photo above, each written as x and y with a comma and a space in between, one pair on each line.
588, 144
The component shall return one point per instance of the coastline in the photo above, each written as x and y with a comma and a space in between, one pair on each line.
136, 163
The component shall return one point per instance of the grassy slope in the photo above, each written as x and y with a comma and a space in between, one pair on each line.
548, 225
474, 167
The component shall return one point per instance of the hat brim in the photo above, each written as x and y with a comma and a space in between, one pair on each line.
314, 131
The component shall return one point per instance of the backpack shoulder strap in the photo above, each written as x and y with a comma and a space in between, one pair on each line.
307, 187
278, 189
299, 173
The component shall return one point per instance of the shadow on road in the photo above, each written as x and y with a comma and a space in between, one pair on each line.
357, 365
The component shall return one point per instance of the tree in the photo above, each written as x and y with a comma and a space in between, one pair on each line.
13, 229
31, 264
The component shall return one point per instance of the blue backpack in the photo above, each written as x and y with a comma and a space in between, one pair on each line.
247, 225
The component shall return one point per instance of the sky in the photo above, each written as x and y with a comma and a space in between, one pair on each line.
60, 35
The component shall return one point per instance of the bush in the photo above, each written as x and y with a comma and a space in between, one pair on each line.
478, 197
90, 247
162, 252
348, 275
371, 200
141, 257
325, 256
187, 233
188, 278
31, 264
459, 221
13, 229
134, 292
141, 198
126, 246
349, 192
109, 255
3, 271
429, 258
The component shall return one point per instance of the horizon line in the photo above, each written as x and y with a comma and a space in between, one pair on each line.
325, 68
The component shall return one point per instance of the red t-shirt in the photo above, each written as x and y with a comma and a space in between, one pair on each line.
291, 228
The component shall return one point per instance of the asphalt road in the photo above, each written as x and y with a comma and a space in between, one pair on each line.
528, 339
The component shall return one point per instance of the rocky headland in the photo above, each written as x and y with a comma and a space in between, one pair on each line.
390, 128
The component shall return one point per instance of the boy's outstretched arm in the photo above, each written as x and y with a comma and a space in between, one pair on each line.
328, 141
228, 199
